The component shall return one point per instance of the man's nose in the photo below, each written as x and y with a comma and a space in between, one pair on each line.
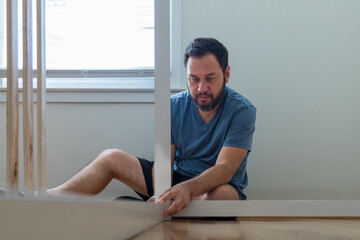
203, 86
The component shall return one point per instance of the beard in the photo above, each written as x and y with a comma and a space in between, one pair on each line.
213, 103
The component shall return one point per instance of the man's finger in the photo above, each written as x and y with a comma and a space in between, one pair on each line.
168, 196
175, 207
165, 192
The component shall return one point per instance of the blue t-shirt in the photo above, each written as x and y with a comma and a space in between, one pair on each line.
198, 144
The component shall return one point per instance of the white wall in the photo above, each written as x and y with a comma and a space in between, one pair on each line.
299, 63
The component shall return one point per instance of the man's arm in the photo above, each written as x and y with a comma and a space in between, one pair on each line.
227, 163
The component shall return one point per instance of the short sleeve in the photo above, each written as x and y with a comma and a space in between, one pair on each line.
241, 128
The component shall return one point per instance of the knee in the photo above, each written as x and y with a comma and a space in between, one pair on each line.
222, 192
112, 153
109, 156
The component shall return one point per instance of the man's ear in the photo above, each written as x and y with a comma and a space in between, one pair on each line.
227, 74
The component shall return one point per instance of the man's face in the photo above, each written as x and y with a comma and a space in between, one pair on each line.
206, 81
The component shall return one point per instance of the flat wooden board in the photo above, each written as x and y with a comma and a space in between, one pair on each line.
60, 220
273, 208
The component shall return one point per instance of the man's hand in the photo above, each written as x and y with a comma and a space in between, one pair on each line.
180, 196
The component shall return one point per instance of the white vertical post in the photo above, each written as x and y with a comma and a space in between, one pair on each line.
12, 109
28, 132
41, 96
162, 97
175, 38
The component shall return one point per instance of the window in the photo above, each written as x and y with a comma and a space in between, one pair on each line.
91, 43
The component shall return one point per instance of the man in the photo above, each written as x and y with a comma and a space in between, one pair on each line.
211, 135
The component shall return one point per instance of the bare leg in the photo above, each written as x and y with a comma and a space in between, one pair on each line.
93, 178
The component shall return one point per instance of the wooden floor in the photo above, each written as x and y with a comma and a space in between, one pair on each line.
275, 229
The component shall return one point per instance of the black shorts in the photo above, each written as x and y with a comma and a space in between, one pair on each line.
147, 167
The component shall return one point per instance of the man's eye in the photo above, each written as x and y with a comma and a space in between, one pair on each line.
194, 79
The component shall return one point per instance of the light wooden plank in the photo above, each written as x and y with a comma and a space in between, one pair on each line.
12, 109
28, 132
162, 97
59, 220
273, 208
295, 230
41, 97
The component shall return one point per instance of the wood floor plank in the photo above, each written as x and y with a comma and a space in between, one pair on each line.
305, 229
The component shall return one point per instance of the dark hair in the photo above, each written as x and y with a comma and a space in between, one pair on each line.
200, 47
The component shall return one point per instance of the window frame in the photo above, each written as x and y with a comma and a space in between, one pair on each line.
115, 86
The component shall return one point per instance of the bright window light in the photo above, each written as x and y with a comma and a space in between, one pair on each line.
108, 39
